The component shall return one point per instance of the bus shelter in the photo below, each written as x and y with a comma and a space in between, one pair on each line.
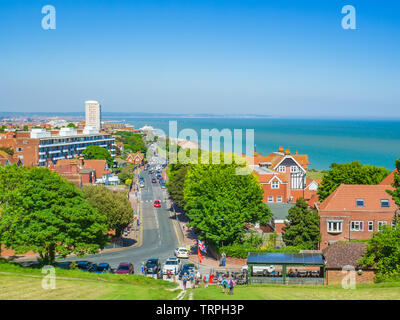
286, 268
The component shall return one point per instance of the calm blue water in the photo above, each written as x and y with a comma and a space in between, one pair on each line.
325, 141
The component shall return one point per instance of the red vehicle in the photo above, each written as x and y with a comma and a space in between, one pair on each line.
157, 204
125, 268
153, 180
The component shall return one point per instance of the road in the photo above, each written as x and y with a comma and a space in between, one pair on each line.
159, 236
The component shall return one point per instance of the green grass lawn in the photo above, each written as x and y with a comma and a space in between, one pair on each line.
18, 283
385, 291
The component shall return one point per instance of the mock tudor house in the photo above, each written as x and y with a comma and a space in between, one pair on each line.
355, 212
282, 176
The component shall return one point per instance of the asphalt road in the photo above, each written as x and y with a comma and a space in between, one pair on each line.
159, 236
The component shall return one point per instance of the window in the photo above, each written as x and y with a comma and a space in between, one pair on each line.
294, 169
385, 203
334, 226
275, 185
19, 149
270, 199
356, 226
279, 199
370, 226
360, 203
282, 169
381, 224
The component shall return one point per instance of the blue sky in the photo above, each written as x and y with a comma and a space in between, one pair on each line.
288, 58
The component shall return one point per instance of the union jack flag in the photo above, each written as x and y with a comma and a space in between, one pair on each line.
202, 246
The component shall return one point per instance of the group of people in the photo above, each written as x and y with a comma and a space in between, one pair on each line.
193, 278
226, 283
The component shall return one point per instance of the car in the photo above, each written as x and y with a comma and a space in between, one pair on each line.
161, 181
153, 180
159, 177
101, 268
187, 268
84, 265
163, 186
64, 265
172, 264
259, 269
182, 252
125, 268
157, 204
152, 266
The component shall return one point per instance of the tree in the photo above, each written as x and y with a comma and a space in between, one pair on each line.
98, 153
115, 206
219, 202
176, 186
303, 226
126, 173
383, 252
44, 213
2, 129
396, 192
349, 173
132, 141
71, 125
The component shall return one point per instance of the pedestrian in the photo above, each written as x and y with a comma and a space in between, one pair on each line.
206, 280
224, 284
191, 276
197, 281
219, 281
184, 281
231, 285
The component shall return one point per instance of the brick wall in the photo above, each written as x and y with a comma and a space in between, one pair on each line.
336, 276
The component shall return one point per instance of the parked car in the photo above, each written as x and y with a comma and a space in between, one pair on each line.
84, 265
163, 186
157, 204
125, 268
173, 264
101, 268
153, 180
261, 270
64, 265
187, 268
152, 266
182, 252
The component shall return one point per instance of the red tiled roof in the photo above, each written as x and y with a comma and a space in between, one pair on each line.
342, 254
98, 165
388, 181
344, 198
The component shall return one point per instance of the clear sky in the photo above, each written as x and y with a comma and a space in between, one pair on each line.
286, 57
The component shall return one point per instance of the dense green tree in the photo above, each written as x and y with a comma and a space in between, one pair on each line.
115, 206
349, 173
396, 192
176, 186
303, 227
383, 252
42, 212
132, 141
126, 173
71, 125
10, 151
219, 201
98, 153
2, 129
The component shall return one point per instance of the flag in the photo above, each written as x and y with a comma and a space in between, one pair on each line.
202, 246
199, 255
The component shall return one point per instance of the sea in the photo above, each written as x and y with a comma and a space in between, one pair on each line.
374, 142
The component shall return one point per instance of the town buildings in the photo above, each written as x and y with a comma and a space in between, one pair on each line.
355, 212
135, 158
93, 114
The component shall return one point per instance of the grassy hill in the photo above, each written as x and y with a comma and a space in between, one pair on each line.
26, 284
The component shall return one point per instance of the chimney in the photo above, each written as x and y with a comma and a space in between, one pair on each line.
281, 149
287, 152
82, 160
255, 149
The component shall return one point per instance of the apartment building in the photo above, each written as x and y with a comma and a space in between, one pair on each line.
41, 147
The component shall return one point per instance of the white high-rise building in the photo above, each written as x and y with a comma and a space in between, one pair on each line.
93, 115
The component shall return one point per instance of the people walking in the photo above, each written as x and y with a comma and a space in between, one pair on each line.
219, 281
224, 284
191, 277
206, 280
231, 285
184, 281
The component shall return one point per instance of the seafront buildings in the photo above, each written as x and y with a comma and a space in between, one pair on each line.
44, 147
93, 114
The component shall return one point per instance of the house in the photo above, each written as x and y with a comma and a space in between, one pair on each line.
135, 158
388, 181
280, 212
343, 254
282, 176
354, 212
7, 159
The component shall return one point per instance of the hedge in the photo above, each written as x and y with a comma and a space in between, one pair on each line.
242, 251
